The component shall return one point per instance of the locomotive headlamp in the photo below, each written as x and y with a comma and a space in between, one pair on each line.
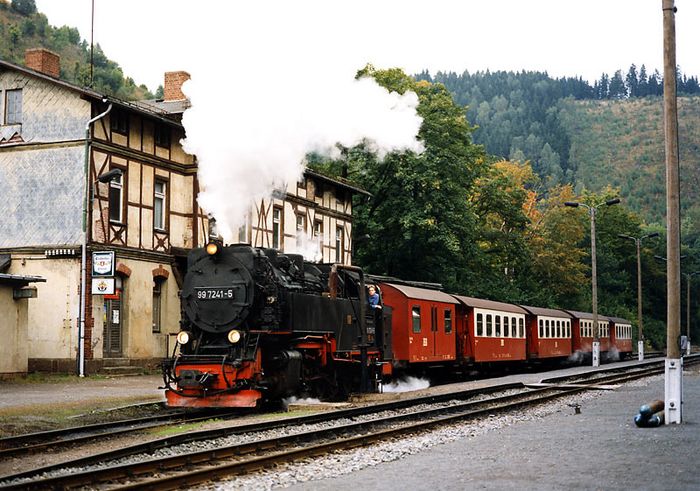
212, 248
234, 336
183, 337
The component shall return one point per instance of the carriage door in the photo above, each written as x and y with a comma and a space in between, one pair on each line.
444, 341
434, 328
112, 334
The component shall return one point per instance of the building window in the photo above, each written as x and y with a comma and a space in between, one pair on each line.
339, 244
276, 227
13, 106
318, 229
157, 299
116, 194
301, 229
119, 122
161, 134
415, 314
243, 232
159, 205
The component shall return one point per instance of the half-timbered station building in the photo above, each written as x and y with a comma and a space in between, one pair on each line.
52, 135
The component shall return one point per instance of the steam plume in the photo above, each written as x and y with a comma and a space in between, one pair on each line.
263, 106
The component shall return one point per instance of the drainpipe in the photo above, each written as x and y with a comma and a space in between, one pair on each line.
83, 256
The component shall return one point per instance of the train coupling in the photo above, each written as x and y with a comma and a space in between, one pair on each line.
193, 379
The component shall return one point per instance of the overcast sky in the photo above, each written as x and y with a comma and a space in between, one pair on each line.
562, 37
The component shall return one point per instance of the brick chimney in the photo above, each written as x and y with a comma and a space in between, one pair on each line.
44, 61
172, 91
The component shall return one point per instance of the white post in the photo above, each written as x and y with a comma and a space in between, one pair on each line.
673, 388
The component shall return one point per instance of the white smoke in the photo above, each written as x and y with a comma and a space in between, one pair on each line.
282, 84
407, 384
309, 247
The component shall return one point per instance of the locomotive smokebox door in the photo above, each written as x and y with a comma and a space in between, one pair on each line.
219, 294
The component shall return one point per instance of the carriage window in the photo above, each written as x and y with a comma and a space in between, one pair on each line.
489, 325
558, 329
546, 328
498, 325
540, 330
479, 324
506, 327
416, 319
521, 327
448, 321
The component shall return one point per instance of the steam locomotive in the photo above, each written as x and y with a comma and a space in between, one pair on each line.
260, 325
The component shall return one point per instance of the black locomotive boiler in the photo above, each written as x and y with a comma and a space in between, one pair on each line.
259, 325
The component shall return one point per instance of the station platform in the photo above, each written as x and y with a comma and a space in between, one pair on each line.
599, 448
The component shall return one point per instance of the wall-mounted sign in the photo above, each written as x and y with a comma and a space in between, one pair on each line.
103, 263
103, 286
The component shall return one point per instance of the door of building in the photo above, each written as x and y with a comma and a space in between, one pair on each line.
112, 345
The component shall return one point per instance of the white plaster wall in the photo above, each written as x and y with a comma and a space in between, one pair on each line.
13, 332
53, 317
139, 339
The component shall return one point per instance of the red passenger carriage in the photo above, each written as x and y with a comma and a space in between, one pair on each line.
422, 324
621, 337
490, 331
582, 332
549, 333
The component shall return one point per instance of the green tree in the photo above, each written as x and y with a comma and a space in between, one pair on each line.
24, 7
617, 88
419, 218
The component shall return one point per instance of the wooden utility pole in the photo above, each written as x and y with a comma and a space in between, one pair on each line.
674, 362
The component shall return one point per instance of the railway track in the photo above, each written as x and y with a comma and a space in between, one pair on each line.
33, 442
352, 428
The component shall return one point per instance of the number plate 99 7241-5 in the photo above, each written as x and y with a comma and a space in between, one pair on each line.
215, 293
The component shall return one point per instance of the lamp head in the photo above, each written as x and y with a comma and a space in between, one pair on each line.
109, 176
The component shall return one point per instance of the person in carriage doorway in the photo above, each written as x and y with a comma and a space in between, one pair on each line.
373, 297
374, 316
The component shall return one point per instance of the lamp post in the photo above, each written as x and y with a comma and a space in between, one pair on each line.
688, 276
595, 348
87, 201
638, 243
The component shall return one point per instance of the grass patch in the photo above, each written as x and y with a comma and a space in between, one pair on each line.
31, 418
49, 378
182, 428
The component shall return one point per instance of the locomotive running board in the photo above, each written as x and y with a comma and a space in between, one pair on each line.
572, 386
